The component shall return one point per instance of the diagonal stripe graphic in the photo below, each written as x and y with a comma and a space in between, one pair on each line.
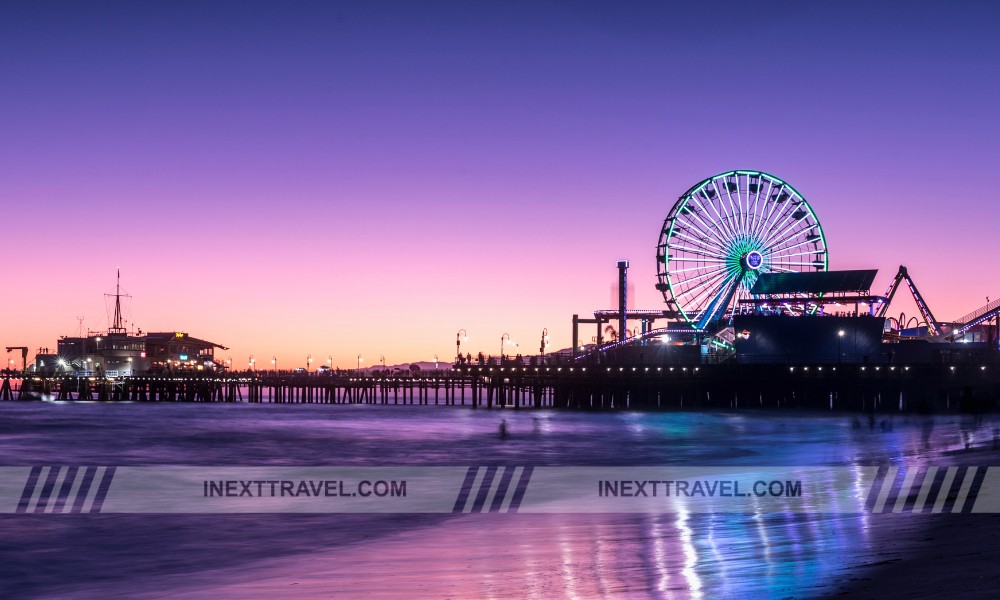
521, 486
102, 491
890, 478
484, 489
904, 492
68, 482
50, 482
501, 492
463, 492
977, 484
945, 489
963, 492
29, 489
925, 489
512, 489
43, 476
81, 495
88, 504
497, 477
474, 490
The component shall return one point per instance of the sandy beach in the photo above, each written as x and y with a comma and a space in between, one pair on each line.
669, 555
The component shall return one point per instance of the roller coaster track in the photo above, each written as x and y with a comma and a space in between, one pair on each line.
983, 313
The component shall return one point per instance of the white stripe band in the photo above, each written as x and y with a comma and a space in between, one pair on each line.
37, 492
883, 495
904, 491
75, 490
942, 496
474, 490
92, 492
54, 495
515, 481
497, 477
970, 474
925, 489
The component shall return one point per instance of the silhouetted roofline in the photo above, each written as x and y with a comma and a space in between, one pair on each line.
819, 282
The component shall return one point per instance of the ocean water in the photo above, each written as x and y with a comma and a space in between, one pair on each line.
456, 556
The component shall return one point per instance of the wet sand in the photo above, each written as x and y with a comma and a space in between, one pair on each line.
460, 556
541, 556
933, 556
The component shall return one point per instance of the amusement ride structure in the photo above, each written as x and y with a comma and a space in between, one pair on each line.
745, 243
726, 231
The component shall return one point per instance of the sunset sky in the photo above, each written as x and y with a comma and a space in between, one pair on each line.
344, 178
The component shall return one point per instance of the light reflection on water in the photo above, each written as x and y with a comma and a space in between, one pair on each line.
676, 555
572, 556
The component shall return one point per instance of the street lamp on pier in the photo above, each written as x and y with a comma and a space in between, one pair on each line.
274, 363
461, 335
545, 342
505, 338
309, 362
359, 363
251, 362
382, 358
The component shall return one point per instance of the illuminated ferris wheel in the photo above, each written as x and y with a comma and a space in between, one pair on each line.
723, 232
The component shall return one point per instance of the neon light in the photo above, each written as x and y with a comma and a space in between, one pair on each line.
728, 241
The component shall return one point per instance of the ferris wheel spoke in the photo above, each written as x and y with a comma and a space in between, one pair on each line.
709, 221
752, 208
740, 216
731, 216
695, 213
688, 270
783, 226
759, 215
696, 251
732, 205
796, 233
708, 232
781, 257
722, 224
769, 207
713, 306
703, 242
780, 217
697, 260
793, 263
751, 203
775, 209
778, 249
704, 279
708, 276
707, 290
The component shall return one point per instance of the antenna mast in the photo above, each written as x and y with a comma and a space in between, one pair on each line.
116, 326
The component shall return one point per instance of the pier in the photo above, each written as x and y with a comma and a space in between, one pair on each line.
964, 387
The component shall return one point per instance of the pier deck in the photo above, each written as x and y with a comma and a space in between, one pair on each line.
938, 387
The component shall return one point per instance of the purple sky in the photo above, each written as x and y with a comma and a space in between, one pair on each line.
343, 178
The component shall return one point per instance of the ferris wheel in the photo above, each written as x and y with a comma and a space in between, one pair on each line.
727, 230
